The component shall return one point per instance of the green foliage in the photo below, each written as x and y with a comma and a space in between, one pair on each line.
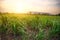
30, 27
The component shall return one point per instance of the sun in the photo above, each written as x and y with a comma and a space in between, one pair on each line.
19, 8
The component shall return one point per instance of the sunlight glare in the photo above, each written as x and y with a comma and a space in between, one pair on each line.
19, 7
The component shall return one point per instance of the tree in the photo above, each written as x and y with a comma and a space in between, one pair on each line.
58, 14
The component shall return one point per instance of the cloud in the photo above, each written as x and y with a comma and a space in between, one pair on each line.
40, 3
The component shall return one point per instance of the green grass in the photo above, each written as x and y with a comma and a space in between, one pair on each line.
30, 27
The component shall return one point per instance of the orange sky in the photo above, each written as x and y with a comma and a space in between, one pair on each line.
19, 6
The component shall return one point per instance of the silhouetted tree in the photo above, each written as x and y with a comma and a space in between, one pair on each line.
59, 14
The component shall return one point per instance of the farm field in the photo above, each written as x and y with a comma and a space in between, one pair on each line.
29, 27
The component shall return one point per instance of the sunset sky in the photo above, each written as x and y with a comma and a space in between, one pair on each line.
20, 6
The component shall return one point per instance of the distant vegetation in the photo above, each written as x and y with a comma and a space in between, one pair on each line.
29, 27
58, 14
43, 13
36, 13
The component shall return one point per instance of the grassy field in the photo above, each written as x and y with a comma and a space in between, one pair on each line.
29, 27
